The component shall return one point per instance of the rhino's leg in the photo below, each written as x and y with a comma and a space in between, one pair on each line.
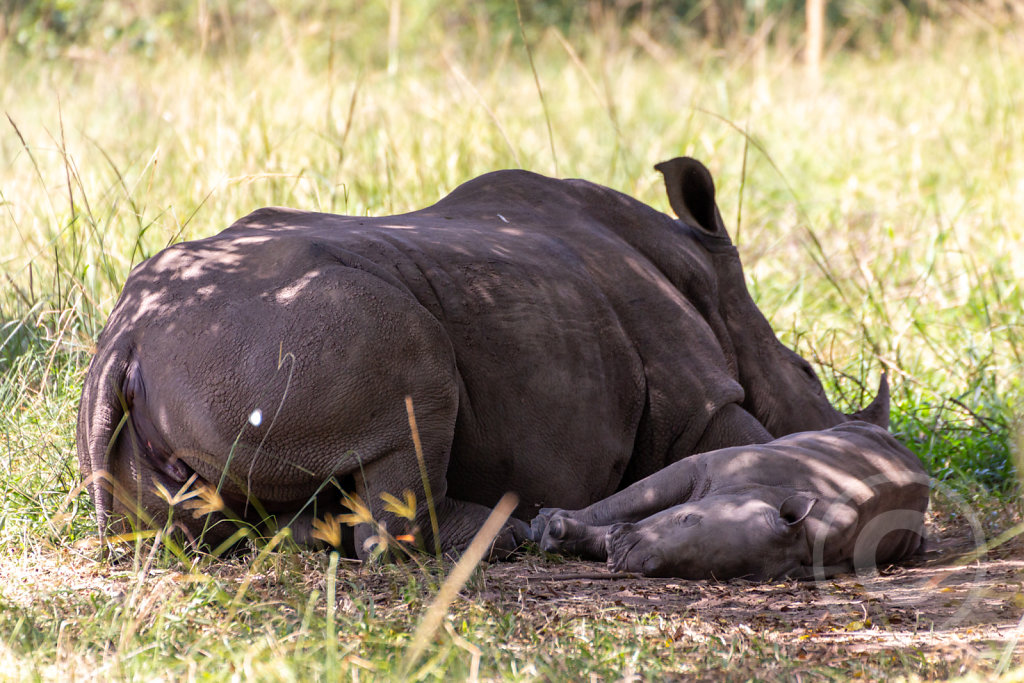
555, 528
398, 470
731, 425
577, 531
149, 496
568, 536
457, 521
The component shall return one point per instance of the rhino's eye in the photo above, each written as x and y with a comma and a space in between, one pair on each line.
775, 521
812, 376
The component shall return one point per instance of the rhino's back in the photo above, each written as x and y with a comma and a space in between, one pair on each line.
563, 253
571, 348
549, 380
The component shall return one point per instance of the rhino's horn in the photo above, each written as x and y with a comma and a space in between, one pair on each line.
877, 412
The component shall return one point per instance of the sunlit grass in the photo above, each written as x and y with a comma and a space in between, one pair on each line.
879, 215
911, 193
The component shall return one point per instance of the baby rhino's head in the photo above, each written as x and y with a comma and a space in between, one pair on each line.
718, 537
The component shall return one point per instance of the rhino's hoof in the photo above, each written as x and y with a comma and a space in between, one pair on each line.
509, 541
539, 524
521, 531
559, 529
566, 535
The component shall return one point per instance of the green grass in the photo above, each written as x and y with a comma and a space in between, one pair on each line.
879, 215
123, 623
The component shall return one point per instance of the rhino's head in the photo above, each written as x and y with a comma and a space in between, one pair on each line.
719, 537
781, 389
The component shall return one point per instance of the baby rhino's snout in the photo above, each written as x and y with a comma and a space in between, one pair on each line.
628, 553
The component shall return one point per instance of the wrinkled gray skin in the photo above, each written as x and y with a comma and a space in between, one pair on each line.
807, 505
559, 339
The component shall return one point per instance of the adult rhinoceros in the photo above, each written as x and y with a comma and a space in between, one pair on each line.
558, 339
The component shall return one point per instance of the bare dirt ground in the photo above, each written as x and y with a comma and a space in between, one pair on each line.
949, 605
948, 613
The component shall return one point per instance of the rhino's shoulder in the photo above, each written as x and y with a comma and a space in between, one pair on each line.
280, 217
504, 183
271, 215
525, 189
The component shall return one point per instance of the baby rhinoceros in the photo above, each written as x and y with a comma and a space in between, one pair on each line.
807, 505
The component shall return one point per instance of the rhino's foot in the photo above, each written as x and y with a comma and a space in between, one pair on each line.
557, 531
552, 529
459, 523
539, 524
509, 540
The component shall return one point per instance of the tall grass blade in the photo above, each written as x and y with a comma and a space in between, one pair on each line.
434, 528
458, 577
536, 80
331, 625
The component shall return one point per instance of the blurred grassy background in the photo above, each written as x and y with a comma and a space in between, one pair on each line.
878, 206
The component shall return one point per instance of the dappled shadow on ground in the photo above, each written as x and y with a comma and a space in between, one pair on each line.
942, 616
947, 606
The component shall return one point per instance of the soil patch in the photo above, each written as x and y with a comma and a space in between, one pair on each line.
949, 604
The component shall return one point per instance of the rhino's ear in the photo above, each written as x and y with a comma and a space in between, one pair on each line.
795, 509
691, 192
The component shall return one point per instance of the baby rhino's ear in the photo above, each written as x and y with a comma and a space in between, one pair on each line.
794, 509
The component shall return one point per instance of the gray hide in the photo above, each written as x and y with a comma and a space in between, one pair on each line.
558, 339
806, 505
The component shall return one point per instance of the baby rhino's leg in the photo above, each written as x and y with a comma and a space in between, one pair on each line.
582, 532
557, 531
